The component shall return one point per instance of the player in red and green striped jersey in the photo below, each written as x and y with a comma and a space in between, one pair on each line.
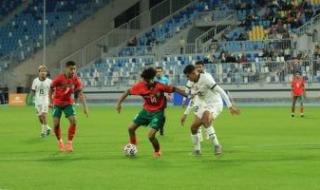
153, 108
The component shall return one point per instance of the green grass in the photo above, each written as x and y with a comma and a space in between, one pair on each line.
264, 149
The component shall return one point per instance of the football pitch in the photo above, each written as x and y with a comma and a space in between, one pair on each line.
264, 149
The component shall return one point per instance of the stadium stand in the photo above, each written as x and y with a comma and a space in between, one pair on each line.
22, 37
260, 49
7, 6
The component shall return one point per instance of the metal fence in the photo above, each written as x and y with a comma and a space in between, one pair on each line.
243, 46
262, 72
307, 26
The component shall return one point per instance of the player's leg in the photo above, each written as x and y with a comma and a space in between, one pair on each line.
156, 121
70, 113
45, 110
40, 118
207, 121
301, 106
44, 115
154, 141
195, 136
132, 133
161, 130
142, 118
57, 112
200, 134
293, 107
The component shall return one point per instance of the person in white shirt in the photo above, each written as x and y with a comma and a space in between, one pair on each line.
199, 65
40, 91
207, 97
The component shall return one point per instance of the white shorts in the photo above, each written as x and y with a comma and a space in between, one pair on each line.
214, 109
42, 108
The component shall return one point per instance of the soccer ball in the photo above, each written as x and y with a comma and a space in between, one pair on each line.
130, 150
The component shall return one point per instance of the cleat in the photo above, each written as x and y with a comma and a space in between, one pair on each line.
292, 115
61, 146
43, 135
217, 150
157, 154
69, 147
196, 152
301, 115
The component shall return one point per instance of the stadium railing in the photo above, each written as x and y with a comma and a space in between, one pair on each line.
306, 27
260, 71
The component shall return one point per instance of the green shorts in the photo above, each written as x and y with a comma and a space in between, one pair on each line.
151, 119
300, 98
67, 110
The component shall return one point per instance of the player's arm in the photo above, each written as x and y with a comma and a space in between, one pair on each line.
79, 95
232, 108
50, 94
185, 99
121, 99
180, 91
186, 112
33, 88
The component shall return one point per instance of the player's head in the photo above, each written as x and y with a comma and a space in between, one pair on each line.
43, 71
297, 74
148, 74
200, 66
191, 73
159, 72
70, 68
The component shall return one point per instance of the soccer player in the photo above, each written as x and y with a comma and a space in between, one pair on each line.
40, 91
163, 80
298, 93
199, 65
62, 88
153, 108
207, 96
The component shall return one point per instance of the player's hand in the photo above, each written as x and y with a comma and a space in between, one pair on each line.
118, 107
169, 98
183, 119
234, 111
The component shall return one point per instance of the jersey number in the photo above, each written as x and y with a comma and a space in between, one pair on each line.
41, 91
153, 100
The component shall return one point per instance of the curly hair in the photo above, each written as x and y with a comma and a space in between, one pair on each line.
148, 74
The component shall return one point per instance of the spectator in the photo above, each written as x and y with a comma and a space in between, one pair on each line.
132, 41
315, 36
182, 43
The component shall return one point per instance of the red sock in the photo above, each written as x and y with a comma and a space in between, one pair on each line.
57, 132
71, 132
133, 140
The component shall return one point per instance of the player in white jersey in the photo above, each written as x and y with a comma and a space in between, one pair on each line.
199, 65
207, 97
40, 91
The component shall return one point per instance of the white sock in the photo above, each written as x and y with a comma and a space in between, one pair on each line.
195, 141
48, 127
212, 135
43, 128
200, 134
